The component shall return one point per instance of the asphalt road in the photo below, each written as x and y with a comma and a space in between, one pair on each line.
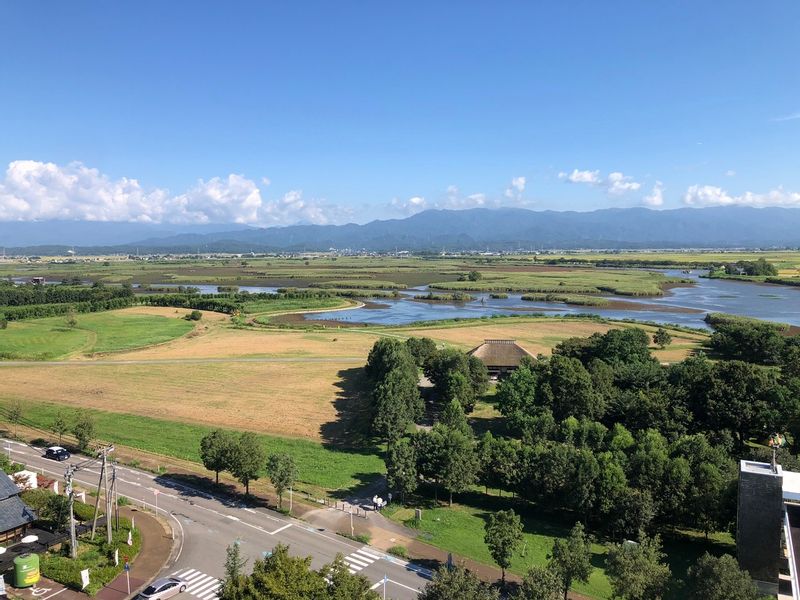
205, 525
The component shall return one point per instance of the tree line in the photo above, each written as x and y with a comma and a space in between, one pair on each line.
244, 457
599, 431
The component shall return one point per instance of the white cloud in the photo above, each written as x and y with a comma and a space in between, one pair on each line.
590, 177
791, 117
45, 191
656, 195
516, 189
710, 195
730, 173
618, 184
615, 183
409, 207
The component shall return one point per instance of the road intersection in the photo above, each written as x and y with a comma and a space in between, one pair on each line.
204, 525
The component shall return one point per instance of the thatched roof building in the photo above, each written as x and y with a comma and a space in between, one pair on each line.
500, 356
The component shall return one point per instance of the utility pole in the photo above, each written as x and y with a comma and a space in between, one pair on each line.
104, 455
109, 516
73, 539
115, 490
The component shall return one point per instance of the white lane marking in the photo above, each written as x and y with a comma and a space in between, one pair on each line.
279, 529
250, 510
232, 518
380, 583
54, 595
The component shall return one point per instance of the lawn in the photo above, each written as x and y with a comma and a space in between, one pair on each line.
51, 338
319, 466
460, 530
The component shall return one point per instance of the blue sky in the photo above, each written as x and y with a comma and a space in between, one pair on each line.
272, 113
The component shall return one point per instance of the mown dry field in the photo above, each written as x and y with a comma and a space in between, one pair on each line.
289, 399
539, 336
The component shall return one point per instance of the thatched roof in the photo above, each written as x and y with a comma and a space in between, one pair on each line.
500, 353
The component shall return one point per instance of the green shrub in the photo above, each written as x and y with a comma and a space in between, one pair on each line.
398, 551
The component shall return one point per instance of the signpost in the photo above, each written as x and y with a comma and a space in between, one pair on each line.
84, 578
128, 575
156, 493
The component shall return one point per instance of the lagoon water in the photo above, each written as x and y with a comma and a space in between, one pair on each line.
682, 305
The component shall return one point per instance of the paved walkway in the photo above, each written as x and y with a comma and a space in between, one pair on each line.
156, 548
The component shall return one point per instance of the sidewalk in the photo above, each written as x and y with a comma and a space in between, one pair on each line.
156, 549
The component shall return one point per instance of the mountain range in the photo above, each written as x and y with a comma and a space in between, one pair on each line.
433, 230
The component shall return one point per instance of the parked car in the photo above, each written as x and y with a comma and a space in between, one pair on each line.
163, 588
57, 453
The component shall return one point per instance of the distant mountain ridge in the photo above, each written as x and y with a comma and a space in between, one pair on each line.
492, 229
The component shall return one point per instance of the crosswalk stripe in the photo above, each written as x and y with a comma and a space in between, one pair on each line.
368, 557
357, 561
202, 589
198, 583
210, 593
370, 552
352, 570
184, 573
194, 577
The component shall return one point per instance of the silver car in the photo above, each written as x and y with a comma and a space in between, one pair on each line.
163, 588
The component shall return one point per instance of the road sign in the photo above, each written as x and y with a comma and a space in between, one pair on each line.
84, 578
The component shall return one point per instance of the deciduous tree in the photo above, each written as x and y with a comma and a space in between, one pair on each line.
217, 450
247, 460
457, 584
571, 558
503, 535
637, 570
282, 473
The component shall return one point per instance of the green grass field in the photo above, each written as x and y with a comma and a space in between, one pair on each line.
51, 338
460, 529
567, 281
318, 466
265, 307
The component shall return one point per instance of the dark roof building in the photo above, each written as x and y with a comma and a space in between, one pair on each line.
15, 515
500, 356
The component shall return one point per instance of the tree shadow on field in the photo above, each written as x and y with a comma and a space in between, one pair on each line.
350, 430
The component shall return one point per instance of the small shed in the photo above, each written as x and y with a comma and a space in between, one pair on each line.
500, 356
15, 515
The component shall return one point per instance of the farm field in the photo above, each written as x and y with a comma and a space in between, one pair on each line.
789, 260
51, 338
319, 467
293, 399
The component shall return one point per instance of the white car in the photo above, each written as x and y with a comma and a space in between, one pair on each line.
163, 588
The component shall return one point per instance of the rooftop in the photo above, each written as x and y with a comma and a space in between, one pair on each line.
500, 353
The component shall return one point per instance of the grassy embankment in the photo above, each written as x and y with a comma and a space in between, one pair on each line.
320, 467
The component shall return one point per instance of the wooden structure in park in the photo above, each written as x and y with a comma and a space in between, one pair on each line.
500, 356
